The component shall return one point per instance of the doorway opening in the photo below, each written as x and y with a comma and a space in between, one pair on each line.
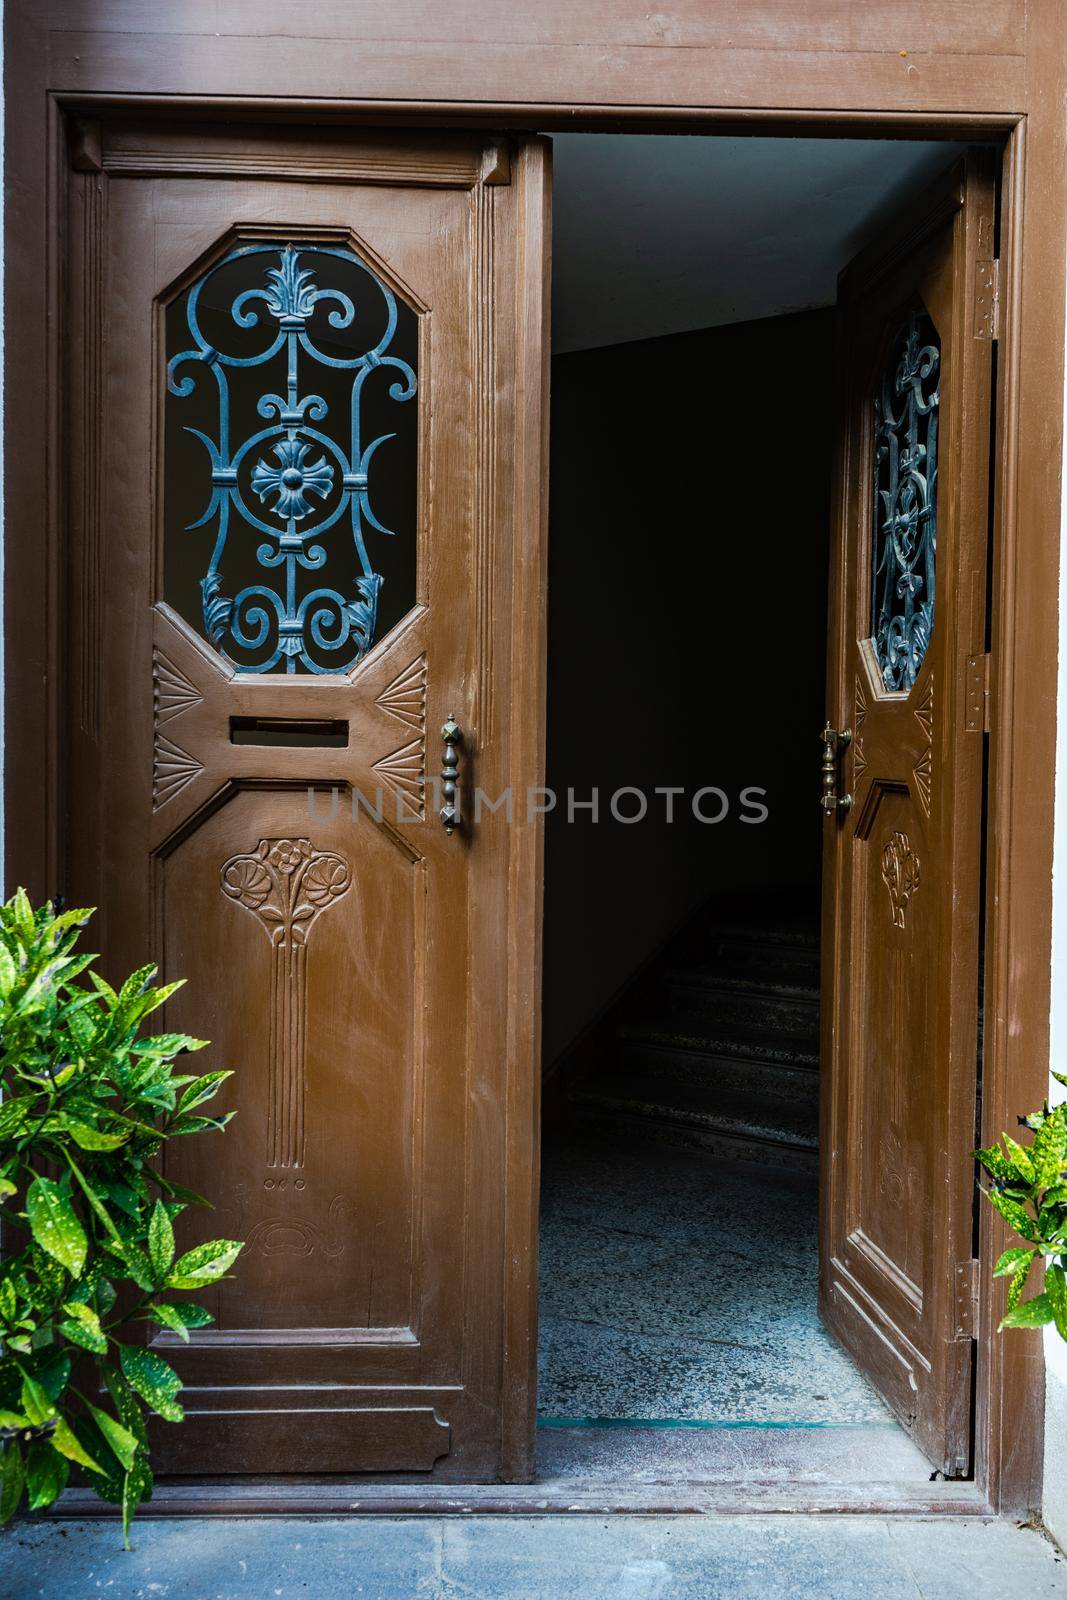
695, 418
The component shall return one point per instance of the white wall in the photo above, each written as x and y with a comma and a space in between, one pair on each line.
1055, 1493
2, 314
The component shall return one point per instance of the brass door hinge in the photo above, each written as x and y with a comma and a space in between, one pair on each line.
966, 1300
978, 695
987, 299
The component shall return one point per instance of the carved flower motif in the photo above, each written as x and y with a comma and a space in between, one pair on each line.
326, 878
247, 880
287, 854
900, 874
292, 479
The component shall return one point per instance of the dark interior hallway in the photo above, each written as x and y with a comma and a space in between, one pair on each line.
679, 1254
690, 477
679, 1244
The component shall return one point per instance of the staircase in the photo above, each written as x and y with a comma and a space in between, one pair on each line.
718, 1047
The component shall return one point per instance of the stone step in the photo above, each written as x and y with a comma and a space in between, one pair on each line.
742, 1000
732, 1121
666, 1069
759, 953
703, 1037
797, 929
721, 1050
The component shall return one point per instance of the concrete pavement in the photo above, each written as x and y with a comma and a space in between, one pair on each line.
536, 1558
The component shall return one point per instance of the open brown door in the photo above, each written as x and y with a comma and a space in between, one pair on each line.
306, 403
903, 847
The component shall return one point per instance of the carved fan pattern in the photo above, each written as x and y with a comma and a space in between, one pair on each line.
405, 697
173, 769
859, 759
403, 771
172, 693
922, 773
924, 768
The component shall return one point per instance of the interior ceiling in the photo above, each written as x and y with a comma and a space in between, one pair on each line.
655, 234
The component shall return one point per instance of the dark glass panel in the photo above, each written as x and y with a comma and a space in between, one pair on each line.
906, 410
291, 451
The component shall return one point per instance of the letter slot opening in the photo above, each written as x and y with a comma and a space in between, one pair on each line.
297, 732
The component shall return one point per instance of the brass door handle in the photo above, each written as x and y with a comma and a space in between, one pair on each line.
834, 744
449, 813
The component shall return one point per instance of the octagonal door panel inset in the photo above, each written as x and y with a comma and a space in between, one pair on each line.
293, 507
290, 454
902, 864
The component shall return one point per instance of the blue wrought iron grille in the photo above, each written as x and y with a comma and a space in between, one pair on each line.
309, 341
905, 501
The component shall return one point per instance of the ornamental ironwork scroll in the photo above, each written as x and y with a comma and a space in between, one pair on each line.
905, 502
286, 884
266, 328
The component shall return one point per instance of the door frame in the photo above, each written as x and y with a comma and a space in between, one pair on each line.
56, 78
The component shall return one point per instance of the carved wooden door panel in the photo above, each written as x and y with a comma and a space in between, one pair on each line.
301, 397
902, 890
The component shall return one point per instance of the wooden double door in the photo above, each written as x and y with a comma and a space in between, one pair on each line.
306, 412
305, 392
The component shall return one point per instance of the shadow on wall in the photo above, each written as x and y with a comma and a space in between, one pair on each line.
687, 636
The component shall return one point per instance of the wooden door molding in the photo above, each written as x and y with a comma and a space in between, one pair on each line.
1000, 80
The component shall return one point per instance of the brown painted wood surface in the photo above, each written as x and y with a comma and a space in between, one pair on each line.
902, 892
383, 1439
844, 54
992, 68
368, 1033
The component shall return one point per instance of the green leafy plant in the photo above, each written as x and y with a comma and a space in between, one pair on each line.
86, 1108
1029, 1189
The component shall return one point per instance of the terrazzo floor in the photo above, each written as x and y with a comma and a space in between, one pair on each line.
675, 1287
